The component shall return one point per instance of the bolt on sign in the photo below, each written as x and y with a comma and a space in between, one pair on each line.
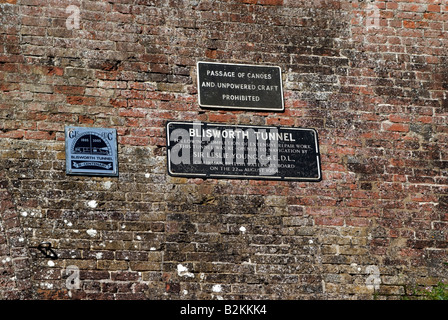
239, 86
207, 150
91, 151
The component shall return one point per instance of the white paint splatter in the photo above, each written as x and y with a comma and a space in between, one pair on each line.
107, 184
92, 204
46, 285
50, 263
354, 265
217, 288
183, 271
92, 232
242, 229
152, 249
6, 260
24, 214
147, 175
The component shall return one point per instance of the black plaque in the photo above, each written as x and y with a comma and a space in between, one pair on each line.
91, 151
207, 150
239, 86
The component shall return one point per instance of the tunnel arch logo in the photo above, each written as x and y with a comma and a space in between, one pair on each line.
91, 143
91, 151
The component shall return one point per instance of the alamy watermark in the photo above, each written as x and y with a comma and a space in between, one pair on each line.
372, 15
373, 281
73, 19
73, 281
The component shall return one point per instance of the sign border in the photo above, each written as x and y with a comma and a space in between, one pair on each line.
114, 147
240, 107
243, 177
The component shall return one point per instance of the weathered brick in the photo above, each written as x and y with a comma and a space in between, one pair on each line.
374, 92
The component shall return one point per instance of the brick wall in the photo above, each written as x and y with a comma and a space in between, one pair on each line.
370, 76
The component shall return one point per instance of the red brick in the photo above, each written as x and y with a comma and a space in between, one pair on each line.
52, 294
398, 127
40, 135
399, 118
271, 2
425, 119
283, 121
56, 71
358, 222
134, 141
228, 118
13, 134
211, 53
135, 113
118, 103
329, 221
81, 100
86, 120
70, 90
434, 7
409, 24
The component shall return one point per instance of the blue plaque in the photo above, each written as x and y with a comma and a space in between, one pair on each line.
91, 151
